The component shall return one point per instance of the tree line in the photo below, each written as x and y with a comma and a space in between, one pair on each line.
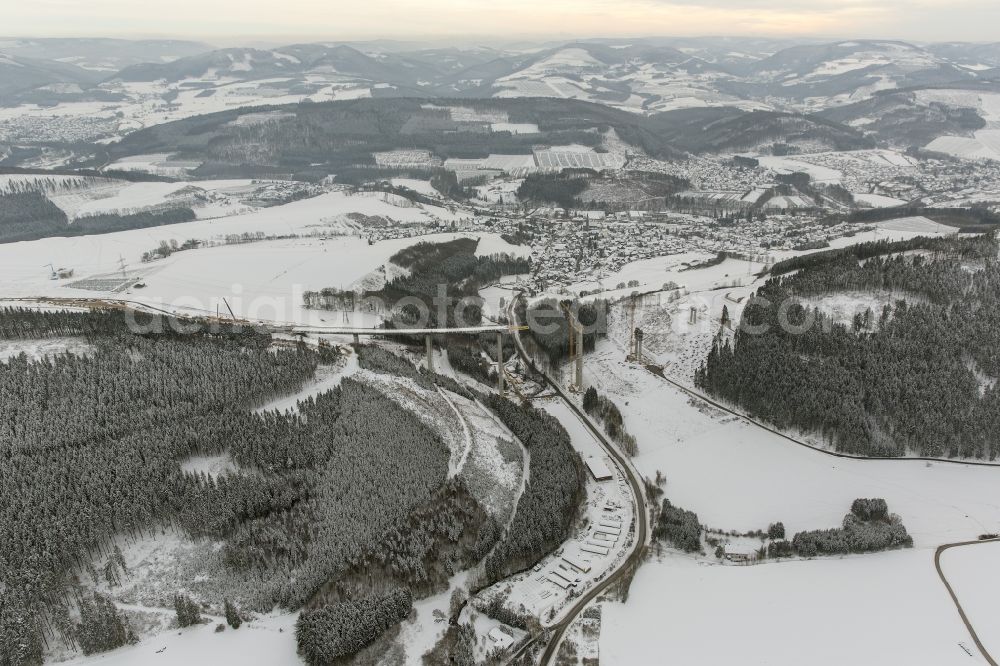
604, 409
31, 215
552, 493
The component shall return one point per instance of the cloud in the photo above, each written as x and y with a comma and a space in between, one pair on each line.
356, 19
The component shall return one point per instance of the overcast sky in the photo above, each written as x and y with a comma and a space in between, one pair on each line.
235, 20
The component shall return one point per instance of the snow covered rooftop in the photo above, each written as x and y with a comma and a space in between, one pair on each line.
599, 469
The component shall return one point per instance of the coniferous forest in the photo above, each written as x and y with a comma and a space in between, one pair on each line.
914, 377
450, 269
551, 495
347, 491
31, 215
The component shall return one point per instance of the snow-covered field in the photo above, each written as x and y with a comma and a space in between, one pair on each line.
818, 173
144, 104
421, 186
887, 608
246, 272
985, 143
136, 196
877, 200
735, 475
267, 641
878, 609
265, 281
972, 573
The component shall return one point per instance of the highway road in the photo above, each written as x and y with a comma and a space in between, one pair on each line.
640, 511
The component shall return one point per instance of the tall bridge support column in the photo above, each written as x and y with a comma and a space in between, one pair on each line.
357, 339
579, 358
430, 353
500, 363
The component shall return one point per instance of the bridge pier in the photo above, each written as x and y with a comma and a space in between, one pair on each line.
357, 339
430, 353
579, 358
500, 363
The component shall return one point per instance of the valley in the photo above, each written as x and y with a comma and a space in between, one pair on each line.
563, 352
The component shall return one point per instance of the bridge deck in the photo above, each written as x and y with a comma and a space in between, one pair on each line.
347, 330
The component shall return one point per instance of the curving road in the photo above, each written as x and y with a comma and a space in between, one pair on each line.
954, 598
640, 511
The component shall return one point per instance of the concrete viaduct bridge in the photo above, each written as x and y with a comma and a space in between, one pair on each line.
499, 329
289, 328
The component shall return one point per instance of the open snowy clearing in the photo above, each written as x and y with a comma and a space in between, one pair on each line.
916, 224
877, 200
47, 348
213, 466
123, 197
842, 306
985, 143
784, 165
320, 215
267, 641
421, 186
886, 608
326, 379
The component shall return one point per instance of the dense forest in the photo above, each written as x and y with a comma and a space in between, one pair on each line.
348, 484
562, 189
89, 447
450, 269
606, 411
342, 629
317, 138
552, 494
868, 528
341, 506
914, 376
30, 215
569, 189
469, 360
678, 527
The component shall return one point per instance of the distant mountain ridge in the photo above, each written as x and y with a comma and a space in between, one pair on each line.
641, 75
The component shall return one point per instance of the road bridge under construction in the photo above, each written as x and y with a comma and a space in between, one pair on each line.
290, 328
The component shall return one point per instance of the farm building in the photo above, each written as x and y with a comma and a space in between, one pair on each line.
740, 553
599, 469
577, 562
